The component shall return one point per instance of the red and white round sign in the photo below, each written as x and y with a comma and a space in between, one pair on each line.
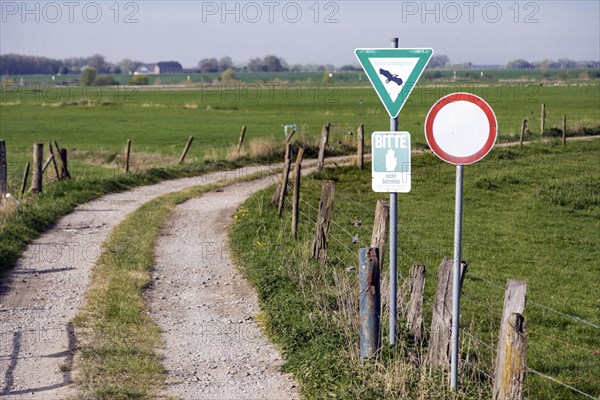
461, 128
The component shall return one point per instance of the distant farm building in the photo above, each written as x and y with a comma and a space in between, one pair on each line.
163, 67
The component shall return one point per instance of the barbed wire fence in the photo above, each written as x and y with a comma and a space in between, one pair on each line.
347, 241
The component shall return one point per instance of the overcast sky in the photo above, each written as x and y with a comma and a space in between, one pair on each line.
483, 32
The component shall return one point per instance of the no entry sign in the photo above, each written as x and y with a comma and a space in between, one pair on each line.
461, 128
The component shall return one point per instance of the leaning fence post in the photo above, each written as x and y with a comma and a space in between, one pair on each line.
241, 141
186, 149
381, 228
510, 370
320, 244
279, 188
514, 303
54, 160
369, 270
523, 128
360, 148
438, 353
47, 163
296, 196
38, 160
415, 304
322, 146
284, 182
127, 153
3, 170
24, 182
65, 170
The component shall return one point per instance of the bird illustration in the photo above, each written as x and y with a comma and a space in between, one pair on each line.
390, 77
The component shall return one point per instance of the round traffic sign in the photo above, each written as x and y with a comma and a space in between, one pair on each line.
461, 128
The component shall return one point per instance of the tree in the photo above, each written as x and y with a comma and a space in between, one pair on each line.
208, 65
129, 66
225, 63
519, 64
256, 65
63, 70
88, 76
98, 62
438, 61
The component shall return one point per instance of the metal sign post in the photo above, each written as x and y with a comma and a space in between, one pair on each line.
456, 276
393, 239
460, 129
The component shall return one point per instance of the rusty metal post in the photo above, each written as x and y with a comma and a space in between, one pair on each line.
370, 302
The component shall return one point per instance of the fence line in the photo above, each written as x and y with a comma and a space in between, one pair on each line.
561, 383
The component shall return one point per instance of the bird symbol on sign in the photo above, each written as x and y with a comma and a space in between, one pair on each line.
390, 77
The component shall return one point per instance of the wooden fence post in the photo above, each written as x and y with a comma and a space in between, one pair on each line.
62, 154
24, 182
322, 146
47, 163
564, 130
543, 119
360, 147
438, 353
284, 182
511, 371
514, 303
415, 303
241, 141
186, 149
381, 228
320, 244
38, 160
296, 196
278, 188
523, 128
288, 138
54, 160
369, 273
3, 170
127, 154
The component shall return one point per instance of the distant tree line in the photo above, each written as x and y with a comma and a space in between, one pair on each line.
17, 64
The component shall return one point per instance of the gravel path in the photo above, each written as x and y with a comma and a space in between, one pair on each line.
214, 348
42, 294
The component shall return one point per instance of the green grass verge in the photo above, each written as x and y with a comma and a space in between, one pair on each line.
531, 214
117, 340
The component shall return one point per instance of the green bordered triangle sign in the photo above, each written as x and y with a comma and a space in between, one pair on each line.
393, 73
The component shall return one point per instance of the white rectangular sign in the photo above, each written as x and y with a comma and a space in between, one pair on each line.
390, 162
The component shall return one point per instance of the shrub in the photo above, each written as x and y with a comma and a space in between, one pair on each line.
139, 80
88, 76
105, 80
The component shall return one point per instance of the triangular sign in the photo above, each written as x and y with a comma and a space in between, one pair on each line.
393, 73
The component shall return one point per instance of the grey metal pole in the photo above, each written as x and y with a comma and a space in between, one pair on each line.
456, 277
393, 240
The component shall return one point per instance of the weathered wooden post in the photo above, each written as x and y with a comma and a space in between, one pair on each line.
564, 130
322, 146
127, 154
415, 303
360, 148
24, 182
543, 119
288, 138
241, 141
523, 128
438, 353
47, 163
510, 360
3, 170
296, 196
186, 149
381, 228
279, 187
284, 181
511, 371
54, 160
38, 160
320, 240
62, 155
369, 271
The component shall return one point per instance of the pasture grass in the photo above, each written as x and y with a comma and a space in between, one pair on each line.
531, 214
